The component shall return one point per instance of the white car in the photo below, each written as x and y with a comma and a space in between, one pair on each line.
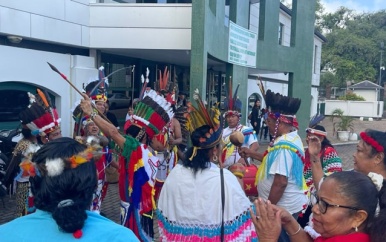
118, 100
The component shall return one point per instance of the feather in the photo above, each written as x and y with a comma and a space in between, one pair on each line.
48, 99
144, 85
230, 99
237, 104
202, 109
282, 104
317, 118
261, 86
43, 97
54, 167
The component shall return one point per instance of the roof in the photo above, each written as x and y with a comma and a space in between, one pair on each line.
289, 12
365, 85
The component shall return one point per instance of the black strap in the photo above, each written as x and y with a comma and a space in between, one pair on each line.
222, 203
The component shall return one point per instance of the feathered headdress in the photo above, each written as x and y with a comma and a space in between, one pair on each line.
97, 89
313, 126
152, 113
165, 87
201, 116
233, 104
282, 109
41, 116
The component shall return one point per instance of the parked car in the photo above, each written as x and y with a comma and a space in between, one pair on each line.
118, 100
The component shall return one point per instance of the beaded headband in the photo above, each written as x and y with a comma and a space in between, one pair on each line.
288, 119
316, 131
371, 141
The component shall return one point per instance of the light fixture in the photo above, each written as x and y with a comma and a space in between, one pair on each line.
14, 39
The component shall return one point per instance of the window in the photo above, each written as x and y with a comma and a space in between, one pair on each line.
281, 34
315, 58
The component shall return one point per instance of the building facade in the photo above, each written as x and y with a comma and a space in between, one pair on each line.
189, 37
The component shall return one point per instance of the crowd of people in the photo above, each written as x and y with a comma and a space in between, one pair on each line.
196, 190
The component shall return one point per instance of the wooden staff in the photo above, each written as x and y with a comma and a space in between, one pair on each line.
76, 89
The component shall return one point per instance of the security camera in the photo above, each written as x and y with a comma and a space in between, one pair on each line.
14, 39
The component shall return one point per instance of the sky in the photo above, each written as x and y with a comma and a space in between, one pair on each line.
359, 6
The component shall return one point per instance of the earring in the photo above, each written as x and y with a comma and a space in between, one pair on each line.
356, 229
214, 158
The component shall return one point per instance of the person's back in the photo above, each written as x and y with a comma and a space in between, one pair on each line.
192, 206
63, 179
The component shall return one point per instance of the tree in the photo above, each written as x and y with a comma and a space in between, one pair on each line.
352, 50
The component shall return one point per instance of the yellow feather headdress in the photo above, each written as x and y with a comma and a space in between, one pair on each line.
200, 116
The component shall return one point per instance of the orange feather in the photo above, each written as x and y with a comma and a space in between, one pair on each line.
43, 97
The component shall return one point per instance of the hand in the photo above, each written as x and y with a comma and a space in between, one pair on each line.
245, 152
314, 145
171, 140
267, 222
285, 216
85, 105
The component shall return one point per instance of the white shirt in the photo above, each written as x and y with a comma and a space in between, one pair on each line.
293, 197
233, 155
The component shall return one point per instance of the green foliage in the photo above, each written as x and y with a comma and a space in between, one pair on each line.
352, 51
352, 97
344, 123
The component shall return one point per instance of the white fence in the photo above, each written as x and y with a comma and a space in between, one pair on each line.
355, 108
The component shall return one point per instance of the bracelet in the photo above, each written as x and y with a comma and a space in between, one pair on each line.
93, 115
300, 227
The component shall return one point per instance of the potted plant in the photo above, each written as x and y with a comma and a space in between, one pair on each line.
343, 126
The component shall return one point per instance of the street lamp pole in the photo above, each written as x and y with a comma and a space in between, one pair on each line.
380, 71
380, 65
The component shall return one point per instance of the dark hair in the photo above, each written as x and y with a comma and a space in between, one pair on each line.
363, 194
26, 132
377, 228
201, 160
133, 131
326, 142
380, 137
77, 184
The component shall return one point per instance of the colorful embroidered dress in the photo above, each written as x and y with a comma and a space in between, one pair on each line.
191, 211
331, 162
136, 188
284, 158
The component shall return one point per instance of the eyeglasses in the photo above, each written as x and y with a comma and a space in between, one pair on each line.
323, 205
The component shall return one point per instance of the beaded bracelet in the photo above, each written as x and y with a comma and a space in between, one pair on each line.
93, 115
300, 227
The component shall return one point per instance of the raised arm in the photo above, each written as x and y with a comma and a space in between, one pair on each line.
246, 152
107, 128
314, 147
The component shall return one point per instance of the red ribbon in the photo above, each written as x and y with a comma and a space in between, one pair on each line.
288, 120
369, 140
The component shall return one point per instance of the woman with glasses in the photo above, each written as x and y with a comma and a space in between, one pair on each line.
344, 210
